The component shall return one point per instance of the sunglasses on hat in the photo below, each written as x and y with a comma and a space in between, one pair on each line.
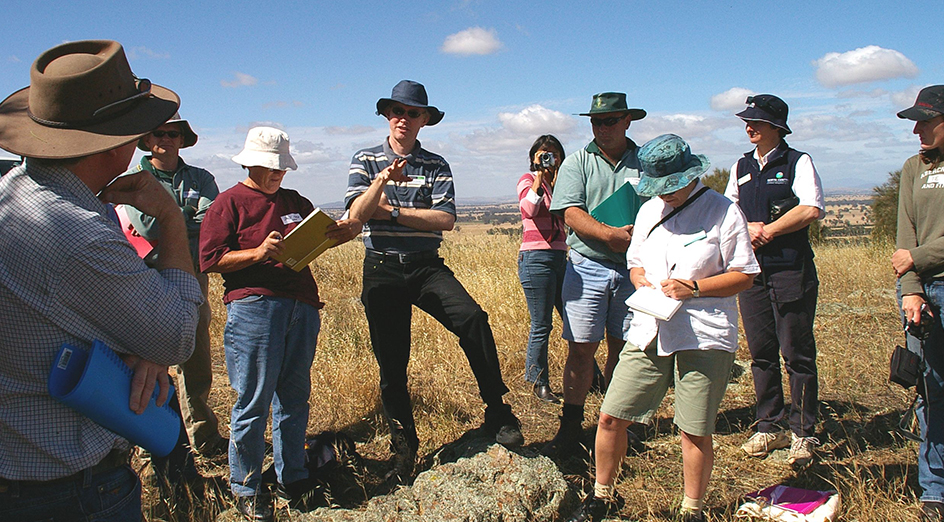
169, 134
606, 122
412, 113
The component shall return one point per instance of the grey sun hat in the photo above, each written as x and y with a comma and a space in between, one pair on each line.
190, 137
266, 147
668, 165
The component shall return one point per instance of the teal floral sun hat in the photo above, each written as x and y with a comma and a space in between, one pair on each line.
668, 165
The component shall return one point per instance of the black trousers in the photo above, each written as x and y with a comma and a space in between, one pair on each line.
391, 288
783, 328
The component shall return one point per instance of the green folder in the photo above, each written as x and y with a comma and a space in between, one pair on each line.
620, 208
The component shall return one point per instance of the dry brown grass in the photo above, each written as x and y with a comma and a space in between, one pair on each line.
856, 328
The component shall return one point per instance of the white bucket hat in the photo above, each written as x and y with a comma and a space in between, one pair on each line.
266, 147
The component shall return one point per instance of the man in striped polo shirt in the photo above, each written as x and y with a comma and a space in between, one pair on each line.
404, 194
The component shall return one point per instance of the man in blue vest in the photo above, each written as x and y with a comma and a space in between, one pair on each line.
781, 194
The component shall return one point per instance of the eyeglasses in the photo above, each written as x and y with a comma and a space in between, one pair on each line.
412, 113
606, 122
144, 90
169, 134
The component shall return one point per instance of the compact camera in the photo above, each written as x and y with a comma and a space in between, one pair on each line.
923, 329
547, 159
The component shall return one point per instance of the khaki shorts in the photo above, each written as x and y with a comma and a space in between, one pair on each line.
641, 379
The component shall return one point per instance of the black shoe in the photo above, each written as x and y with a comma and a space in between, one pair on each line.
303, 495
566, 441
543, 392
932, 511
257, 509
215, 450
595, 509
691, 516
404, 458
500, 421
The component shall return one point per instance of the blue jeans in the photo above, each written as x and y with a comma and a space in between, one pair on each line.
541, 273
270, 344
930, 411
112, 496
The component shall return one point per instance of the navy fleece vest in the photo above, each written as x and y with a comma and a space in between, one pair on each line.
773, 183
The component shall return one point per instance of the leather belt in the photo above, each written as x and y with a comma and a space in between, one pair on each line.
114, 459
404, 258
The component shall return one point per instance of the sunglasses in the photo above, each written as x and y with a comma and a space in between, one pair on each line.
169, 134
606, 122
412, 113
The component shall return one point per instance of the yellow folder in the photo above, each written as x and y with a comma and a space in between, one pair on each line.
306, 241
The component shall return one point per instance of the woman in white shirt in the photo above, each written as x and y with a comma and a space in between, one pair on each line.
692, 245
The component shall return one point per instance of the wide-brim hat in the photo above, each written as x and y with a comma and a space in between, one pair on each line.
266, 147
413, 94
668, 165
612, 102
767, 108
929, 104
190, 137
83, 99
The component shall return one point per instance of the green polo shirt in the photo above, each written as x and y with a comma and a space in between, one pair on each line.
585, 179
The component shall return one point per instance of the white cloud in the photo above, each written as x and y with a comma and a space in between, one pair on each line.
144, 52
906, 98
866, 64
353, 130
732, 99
474, 40
536, 120
240, 80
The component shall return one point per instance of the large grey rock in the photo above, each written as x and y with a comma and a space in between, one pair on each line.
493, 486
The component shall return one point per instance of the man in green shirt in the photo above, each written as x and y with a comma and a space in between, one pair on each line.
596, 281
193, 189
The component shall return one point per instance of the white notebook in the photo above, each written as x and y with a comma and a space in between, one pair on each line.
652, 301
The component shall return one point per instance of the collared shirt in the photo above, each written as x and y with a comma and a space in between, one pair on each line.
430, 186
585, 179
707, 238
193, 188
68, 275
806, 182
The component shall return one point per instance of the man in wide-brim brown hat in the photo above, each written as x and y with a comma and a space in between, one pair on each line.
67, 275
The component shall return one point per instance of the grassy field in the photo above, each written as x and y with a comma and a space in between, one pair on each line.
857, 325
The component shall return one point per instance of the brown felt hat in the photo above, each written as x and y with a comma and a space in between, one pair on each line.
83, 99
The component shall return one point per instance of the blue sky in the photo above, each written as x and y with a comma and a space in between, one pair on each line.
506, 72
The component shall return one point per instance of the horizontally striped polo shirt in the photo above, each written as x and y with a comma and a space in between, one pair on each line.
430, 187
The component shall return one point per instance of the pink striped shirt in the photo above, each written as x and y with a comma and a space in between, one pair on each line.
542, 230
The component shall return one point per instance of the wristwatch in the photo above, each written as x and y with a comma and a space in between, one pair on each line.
394, 214
695, 291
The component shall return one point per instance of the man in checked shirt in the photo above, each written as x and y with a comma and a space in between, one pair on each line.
67, 275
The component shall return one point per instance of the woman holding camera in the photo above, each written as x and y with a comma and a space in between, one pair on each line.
542, 257
919, 264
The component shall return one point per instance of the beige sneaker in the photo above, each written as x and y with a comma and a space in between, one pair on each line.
760, 443
801, 450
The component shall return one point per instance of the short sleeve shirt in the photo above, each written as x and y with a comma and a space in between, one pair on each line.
585, 179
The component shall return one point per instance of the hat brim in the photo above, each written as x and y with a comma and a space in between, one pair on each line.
435, 115
752, 114
651, 186
918, 114
637, 114
21, 135
190, 137
269, 160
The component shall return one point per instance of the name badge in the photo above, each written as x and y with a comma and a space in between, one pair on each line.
688, 239
416, 182
192, 194
744, 179
294, 217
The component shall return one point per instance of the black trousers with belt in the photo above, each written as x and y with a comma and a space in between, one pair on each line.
777, 313
392, 285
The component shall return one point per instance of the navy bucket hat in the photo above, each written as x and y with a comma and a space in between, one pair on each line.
413, 94
767, 108
668, 165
